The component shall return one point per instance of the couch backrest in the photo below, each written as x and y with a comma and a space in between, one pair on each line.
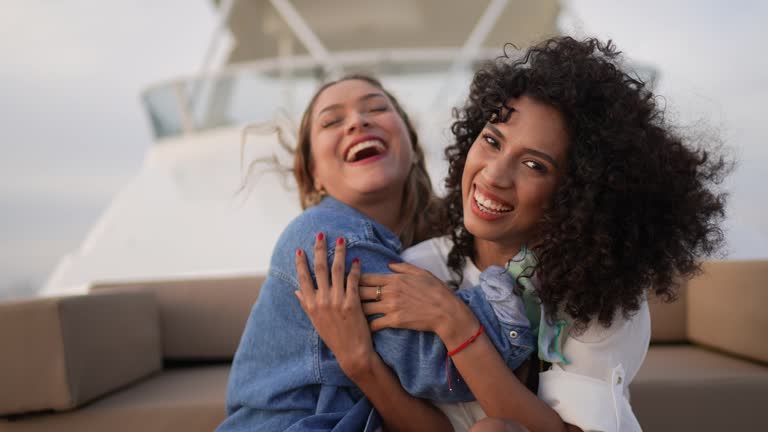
669, 321
200, 319
728, 308
724, 308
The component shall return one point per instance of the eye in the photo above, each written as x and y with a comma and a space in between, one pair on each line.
536, 166
491, 141
380, 108
330, 122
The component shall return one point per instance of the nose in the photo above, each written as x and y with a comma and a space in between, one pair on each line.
500, 173
357, 121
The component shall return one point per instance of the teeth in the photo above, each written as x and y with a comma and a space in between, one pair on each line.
362, 146
488, 205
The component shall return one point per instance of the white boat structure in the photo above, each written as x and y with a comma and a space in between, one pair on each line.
182, 216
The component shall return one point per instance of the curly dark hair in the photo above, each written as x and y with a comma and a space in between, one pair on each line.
638, 205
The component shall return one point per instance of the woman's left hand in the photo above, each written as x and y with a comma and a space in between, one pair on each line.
413, 298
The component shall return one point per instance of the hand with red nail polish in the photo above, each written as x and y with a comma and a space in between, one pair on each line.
335, 309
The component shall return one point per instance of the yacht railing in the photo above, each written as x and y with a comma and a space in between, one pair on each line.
253, 92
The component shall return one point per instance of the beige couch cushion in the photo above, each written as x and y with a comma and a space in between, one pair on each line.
682, 388
669, 320
58, 353
200, 319
185, 399
728, 308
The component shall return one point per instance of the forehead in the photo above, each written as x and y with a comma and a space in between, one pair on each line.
537, 125
345, 92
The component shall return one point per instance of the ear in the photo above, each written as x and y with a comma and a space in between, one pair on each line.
318, 184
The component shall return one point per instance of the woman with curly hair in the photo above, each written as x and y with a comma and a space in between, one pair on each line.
565, 162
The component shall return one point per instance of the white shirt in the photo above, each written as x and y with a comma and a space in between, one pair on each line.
591, 392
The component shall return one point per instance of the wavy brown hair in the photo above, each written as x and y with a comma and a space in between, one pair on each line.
638, 205
421, 214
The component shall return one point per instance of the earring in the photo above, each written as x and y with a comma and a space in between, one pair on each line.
318, 194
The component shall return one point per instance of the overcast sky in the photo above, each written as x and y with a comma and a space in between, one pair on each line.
73, 132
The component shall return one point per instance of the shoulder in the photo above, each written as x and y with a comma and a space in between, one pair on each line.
587, 392
301, 231
598, 349
431, 255
334, 219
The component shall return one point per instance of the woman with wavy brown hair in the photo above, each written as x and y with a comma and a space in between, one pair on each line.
566, 163
363, 184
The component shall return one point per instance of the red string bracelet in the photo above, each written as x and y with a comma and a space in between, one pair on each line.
467, 342
456, 351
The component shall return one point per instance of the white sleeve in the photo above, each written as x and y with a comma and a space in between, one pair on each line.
591, 391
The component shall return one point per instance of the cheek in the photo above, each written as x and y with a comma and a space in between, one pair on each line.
471, 166
323, 146
319, 161
541, 196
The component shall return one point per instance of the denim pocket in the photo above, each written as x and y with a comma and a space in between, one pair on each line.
522, 343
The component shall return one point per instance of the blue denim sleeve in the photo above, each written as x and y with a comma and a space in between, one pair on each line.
262, 392
276, 382
419, 358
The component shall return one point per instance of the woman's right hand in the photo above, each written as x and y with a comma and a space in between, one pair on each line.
413, 298
336, 312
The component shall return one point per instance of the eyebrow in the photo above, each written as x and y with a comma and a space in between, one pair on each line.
362, 99
538, 153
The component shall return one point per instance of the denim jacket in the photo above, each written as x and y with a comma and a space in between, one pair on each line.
284, 377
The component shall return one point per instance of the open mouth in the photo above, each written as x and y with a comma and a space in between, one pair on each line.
365, 150
490, 206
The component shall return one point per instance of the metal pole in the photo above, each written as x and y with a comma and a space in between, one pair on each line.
472, 45
480, 32
197, 86
305, 34
226, 11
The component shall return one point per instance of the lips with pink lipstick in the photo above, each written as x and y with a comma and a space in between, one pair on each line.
365, 149
487, 205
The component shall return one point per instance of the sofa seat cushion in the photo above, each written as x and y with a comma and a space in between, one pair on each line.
184, 399
684, 387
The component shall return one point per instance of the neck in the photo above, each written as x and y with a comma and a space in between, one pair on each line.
488, 253
385, 211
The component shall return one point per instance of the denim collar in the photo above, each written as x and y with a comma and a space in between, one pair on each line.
379, 230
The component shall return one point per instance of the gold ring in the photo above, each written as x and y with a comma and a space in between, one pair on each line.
378, 293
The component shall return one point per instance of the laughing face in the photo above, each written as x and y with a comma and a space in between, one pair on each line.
360, 147
511, 173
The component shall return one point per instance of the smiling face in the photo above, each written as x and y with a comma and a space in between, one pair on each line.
360, 146
511, 173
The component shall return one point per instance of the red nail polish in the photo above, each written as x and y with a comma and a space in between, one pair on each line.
320, 236
298, 252
340, 241
355, 260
